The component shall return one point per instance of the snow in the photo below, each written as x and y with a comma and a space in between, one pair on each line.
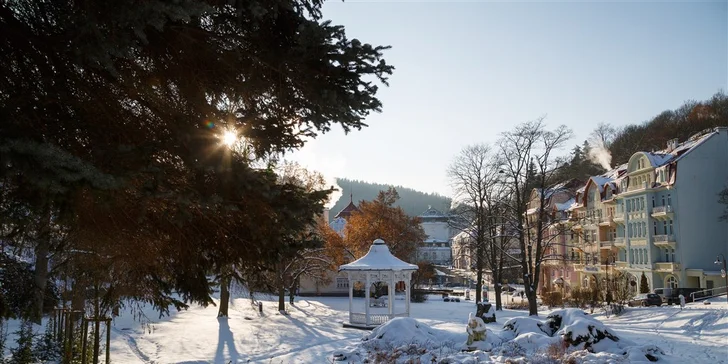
378, 258
312, 332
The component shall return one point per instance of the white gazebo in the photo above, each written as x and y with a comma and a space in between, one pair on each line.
378, 265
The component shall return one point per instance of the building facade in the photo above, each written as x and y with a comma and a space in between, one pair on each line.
437, 247
667, 213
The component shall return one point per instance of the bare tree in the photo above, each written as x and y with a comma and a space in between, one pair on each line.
528, 162
479, 213
604, 134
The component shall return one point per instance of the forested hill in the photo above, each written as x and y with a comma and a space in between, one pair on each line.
412, 202
651, 135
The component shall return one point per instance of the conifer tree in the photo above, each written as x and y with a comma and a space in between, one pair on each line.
644, 286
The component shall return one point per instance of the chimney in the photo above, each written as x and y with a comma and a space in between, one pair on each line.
671, 145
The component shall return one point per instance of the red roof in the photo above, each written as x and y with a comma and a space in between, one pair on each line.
347, 211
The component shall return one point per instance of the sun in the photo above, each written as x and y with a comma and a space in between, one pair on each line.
229, 138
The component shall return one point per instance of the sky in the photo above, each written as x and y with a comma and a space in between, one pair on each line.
468, 71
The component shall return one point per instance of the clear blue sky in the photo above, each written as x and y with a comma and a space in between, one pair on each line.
467, 71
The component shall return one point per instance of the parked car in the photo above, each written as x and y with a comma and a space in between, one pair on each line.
645, 299
672, 295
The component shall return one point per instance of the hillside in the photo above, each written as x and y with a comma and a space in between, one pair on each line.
412, 202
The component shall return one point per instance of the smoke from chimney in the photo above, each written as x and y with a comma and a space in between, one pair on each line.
599, 154
334, 196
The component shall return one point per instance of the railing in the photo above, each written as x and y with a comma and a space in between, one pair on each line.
606, 244
619, 242
663, 238
709, 293
374, 318
621, 264
661, 209
667, 266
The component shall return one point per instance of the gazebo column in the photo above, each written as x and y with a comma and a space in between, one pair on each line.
407, 294
391, 295
351, 296
366, 299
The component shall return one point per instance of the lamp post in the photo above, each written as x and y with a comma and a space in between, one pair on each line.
723, 272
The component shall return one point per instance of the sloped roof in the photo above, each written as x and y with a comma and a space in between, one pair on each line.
378, 258
432, 213
347, 211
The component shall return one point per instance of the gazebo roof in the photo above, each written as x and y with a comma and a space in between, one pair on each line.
378, 258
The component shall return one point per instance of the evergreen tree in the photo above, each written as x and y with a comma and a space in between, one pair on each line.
111, 123
644, 287
23, 353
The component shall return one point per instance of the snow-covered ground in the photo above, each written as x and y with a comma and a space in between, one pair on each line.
313, 332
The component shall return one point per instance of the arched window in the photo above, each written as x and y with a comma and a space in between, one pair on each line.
671, 282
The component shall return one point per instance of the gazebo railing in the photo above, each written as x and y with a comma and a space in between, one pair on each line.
374, 318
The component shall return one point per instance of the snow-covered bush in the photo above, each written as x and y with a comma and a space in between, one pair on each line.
398, 341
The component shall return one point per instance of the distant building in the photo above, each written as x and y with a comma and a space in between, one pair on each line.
340, 219
437, 247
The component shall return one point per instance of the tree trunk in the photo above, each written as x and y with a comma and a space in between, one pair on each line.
224, 296
281, 298
532, 304
497, 290
40, 276
479, 276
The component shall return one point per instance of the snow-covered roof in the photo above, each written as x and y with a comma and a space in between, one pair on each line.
658, 159
378, 258
432, 213
564, 206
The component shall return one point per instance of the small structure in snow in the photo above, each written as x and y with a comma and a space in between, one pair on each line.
477, 332
485, 312
378, 265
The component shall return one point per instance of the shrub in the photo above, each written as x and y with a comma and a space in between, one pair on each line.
552, 299
418, 296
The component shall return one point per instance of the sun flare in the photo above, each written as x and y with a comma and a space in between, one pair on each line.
229, 138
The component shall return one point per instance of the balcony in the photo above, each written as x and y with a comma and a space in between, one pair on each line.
662, 212
618, 218
620, 264
667, 267
664, 240
607, 221
638, 187
620, 243
592, 268
579, 267
606, 244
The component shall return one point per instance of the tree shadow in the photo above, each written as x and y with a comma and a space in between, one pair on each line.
225, 337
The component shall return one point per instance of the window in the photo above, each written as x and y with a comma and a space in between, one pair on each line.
642, 204
671, 282
669, 199
653, 201
644, 229
670, 228
663, 200
664, 227
667, 255
654, 227
672, 255
342, 282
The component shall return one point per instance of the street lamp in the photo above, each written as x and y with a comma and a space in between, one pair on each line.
723, 272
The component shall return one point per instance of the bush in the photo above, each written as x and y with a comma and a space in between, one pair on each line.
418, 296
552, 299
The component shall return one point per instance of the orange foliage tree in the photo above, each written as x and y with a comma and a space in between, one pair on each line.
380, 219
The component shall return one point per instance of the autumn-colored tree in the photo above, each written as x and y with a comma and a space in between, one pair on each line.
379, 219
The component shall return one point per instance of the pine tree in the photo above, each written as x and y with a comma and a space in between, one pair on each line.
23, 353
644, 287
105, 133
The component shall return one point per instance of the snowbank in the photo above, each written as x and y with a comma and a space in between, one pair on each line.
568, 335
400, 340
